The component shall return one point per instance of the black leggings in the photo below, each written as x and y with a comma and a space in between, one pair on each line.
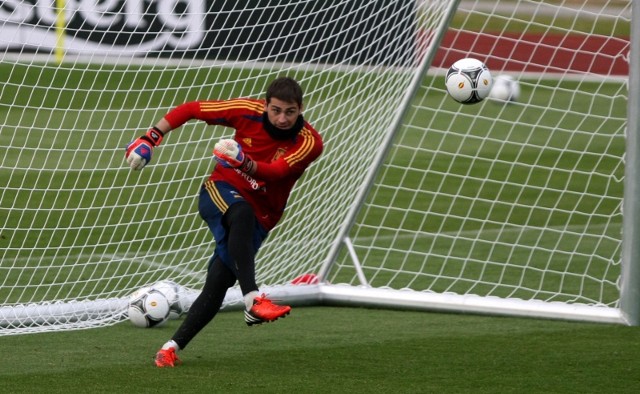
239, 221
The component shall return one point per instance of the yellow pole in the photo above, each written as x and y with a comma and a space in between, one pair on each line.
60, 27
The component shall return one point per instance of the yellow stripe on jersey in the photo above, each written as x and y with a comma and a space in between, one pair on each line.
210, 106
215, 196
305, 149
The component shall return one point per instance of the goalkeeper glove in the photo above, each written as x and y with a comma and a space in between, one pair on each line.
229, 154
139, 151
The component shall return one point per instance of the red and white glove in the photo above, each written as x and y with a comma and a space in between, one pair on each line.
229, 154
139, 152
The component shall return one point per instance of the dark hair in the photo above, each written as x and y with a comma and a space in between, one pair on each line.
285, 89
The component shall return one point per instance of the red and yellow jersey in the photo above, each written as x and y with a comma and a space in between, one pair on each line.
280, 163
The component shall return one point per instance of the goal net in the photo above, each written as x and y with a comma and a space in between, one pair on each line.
417, 201
505, 207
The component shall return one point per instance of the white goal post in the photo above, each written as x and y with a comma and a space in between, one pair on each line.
418, 202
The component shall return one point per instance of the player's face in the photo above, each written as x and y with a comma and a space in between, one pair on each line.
282, 114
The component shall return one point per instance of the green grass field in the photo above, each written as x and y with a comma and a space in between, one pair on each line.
335, 350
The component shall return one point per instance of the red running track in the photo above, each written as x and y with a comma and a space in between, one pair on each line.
554, 53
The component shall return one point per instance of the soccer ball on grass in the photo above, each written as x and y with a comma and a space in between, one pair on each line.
148, 307
468, 81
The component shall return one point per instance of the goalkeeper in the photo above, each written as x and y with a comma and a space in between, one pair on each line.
243, 198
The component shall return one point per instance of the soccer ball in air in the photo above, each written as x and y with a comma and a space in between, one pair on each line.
148, 307
505, 88
468, 81
174, 294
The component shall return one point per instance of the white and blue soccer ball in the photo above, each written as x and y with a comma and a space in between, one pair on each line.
505, 88
468, 81
148, 307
